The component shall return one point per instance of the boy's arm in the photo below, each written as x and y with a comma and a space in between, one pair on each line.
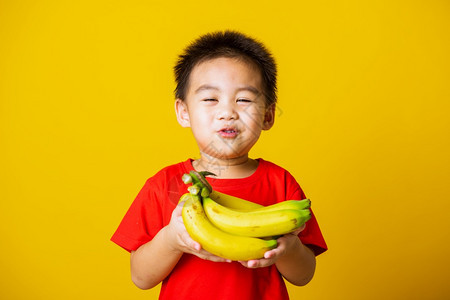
298, 263
153, 261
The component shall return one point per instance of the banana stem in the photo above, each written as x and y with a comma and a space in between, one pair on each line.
198, 177
199, 183
205, 192
195, 189
186, 178
206, 173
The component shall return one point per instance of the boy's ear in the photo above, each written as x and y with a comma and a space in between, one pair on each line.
182, 113
269, 117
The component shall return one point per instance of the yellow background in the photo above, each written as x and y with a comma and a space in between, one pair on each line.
86, 116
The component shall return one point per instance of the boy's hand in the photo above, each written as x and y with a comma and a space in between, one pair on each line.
285, 244
181, 241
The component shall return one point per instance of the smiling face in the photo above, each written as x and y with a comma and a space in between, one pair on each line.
225, 107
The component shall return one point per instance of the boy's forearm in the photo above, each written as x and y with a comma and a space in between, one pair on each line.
298, 266
153, 261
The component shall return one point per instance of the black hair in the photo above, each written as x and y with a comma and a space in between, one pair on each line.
230, 44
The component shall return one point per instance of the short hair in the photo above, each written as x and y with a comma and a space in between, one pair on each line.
230, 44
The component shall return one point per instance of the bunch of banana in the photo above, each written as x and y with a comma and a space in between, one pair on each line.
235, 228
219, 242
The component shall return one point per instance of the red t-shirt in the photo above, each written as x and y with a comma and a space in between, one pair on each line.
195, 278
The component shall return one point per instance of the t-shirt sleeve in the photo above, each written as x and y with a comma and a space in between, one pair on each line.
142, 221
311, 236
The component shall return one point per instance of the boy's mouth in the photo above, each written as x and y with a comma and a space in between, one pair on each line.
228, 132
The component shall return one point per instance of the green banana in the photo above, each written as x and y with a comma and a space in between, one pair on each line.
216, 241
259, 223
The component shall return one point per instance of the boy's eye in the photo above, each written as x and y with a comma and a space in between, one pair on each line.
243, 100
209, 100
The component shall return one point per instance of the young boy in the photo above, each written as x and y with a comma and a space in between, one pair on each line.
226, 94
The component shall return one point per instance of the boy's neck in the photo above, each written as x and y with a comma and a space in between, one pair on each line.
239, 167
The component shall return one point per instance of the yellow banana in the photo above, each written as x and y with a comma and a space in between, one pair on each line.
240, 204
217, 241
234, 202
201, 186
288, 204
258, 223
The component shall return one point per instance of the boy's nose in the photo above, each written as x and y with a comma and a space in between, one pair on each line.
227, 112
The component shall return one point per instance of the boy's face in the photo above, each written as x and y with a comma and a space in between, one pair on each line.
225, 107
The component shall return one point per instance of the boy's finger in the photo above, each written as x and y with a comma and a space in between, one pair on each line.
270, 254
203, 254
298, 230
196, 245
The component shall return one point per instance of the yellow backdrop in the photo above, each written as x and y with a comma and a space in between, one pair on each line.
86, 116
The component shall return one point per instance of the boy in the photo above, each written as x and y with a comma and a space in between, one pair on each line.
226, 94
